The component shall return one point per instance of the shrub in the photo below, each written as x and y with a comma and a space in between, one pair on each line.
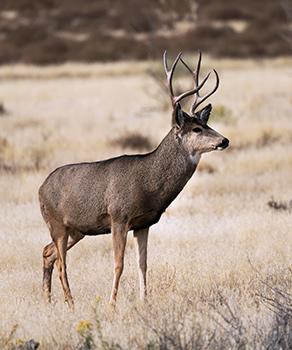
9, 52
3, 111
33, 36
261, 38
267, 138
279, 333
28, 34
102, 47
51, 50
222, 114
219, 11
202, 37
134, 141
280, 205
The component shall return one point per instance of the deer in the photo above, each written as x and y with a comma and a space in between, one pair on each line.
126, 193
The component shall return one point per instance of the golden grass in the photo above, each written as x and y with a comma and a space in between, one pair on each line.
215, 254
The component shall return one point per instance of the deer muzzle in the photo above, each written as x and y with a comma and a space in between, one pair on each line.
224, 144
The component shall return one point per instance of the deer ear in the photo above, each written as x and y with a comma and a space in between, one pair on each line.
178, 118
204, 113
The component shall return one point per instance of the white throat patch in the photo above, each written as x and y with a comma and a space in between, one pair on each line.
195, 158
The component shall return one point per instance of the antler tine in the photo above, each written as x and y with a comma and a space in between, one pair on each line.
169, 74
198, 99
195, 75
193, 91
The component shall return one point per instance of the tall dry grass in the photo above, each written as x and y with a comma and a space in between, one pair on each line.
220, 257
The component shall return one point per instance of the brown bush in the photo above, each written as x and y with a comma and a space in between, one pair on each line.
280, 205
3, 112
267, 138
27, 34
146, 17
33, 37
261, 38
9, 52
26, 7
133, 20
239, 10
134, 141
105, 47
203, 37
51, 50
219, 11
278, 48
239, 46
274, 12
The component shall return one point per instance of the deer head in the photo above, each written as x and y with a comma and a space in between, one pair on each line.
192, 129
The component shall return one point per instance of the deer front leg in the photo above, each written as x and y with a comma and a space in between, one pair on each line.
141, 239
119, 234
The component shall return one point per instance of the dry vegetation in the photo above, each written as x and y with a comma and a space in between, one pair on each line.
54, 31
220, 257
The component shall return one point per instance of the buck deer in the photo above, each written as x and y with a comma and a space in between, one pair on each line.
126, 193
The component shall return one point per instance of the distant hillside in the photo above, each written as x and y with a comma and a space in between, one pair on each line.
56, 31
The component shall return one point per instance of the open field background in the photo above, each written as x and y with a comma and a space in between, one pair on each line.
220, 257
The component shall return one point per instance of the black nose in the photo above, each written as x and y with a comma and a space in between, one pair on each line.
225, 143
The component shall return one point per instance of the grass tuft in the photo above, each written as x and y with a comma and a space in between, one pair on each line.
280, 205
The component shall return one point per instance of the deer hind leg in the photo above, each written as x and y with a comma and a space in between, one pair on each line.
49, 259
119, 235
140, 240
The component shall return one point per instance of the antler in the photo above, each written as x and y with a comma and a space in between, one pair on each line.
169, 74
198, 99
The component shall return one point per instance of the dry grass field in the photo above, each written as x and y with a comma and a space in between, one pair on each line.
219, 259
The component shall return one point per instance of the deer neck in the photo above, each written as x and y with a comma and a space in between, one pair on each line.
171, 165
173, 151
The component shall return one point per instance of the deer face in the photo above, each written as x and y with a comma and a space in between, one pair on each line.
192, 130
196, 136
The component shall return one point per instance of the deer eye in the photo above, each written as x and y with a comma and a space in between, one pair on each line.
197, 130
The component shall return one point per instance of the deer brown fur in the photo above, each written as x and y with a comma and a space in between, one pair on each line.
125, 193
